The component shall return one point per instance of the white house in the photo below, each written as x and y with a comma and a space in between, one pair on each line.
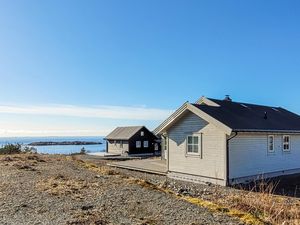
226, 142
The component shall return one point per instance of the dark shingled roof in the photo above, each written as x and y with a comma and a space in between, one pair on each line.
123, 133
248, 117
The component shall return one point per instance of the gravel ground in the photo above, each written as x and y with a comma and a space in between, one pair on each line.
203, 191
37, 189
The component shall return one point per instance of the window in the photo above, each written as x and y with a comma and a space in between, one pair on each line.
115, 143
142, 133
271, 143
286, 143
193, 144
121, 144
138, 144
146, 144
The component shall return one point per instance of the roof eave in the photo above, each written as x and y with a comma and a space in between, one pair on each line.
265, 131
179, 112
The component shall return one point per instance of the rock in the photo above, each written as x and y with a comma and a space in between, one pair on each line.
35, 157
87, 207
23, 205
7, 159
183, 191
24, 167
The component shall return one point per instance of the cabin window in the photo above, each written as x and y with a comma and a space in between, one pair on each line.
146, 144
115, 143
121, 144
138, 144
271, 144
193, 144
142, 133
286, 143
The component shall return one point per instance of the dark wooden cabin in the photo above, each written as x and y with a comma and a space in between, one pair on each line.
132, 140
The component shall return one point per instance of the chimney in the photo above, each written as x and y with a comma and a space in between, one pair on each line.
227, 98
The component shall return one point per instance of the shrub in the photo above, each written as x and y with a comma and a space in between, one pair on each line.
83, 151
262, 202
11, 149
28, 149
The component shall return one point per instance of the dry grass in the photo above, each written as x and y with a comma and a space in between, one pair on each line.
262, 203
104, 170
62, 186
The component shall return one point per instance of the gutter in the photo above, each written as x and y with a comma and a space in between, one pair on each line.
227, 157
267, 131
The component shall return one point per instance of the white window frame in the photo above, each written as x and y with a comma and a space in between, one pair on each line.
193, 144
273, 144
142, 133
146, 145
138, 144
286, 143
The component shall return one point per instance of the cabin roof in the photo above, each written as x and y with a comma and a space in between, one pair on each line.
123, 133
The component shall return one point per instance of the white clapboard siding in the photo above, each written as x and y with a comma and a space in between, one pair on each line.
212, 164
248, 155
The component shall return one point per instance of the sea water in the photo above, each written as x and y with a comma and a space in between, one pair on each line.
57, 149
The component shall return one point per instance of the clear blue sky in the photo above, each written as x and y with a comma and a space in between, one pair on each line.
134, 55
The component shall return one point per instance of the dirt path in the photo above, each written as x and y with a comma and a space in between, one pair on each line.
57, 190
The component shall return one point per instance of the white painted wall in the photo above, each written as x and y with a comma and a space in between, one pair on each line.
248, 155
212, 164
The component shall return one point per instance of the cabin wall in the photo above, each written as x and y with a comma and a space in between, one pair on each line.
249, 156
148, 136
115, 147
208, 168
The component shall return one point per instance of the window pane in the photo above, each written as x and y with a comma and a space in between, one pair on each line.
286, 139
138, 144
196, 148
190, 148
196, 140
271, 139
190, 139
146, 144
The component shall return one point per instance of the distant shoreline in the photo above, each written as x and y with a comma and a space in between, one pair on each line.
51, 143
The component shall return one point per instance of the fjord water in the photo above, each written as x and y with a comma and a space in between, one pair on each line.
57, 149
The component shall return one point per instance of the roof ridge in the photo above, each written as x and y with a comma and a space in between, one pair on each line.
245, 103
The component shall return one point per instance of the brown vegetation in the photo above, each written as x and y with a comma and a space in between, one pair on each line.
263, 204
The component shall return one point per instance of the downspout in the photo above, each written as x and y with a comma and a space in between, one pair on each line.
106, 142
167, 144
227, 157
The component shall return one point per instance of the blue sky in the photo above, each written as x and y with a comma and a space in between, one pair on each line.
83, 67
